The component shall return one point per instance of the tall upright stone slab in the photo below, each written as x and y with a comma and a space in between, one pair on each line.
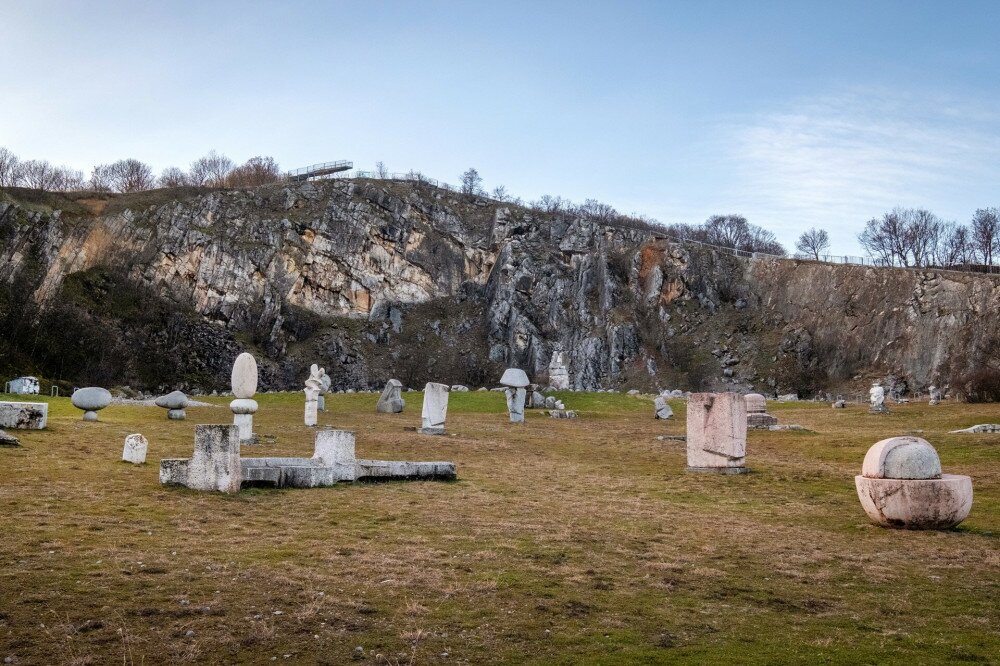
515, 382
716, 433
392, 401
314, 387
435, 409
558, 373
215, 464
244, 384
324, 388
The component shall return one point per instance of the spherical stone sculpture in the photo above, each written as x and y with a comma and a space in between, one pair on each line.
175, 403
901, 485
91, 400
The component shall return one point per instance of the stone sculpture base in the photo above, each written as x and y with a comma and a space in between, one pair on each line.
176, 415
878, 410
916, 504
89, 416
761, 420
431, 431
720, 470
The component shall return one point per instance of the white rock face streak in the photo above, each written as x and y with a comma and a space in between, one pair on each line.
716, 433
901, 485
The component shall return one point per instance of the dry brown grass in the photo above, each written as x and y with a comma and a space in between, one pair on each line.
562, 541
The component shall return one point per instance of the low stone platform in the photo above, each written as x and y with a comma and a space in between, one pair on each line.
720, 470
24, 415
217, 465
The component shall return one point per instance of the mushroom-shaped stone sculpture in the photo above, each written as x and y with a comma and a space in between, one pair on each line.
901, 485
175, 403
91, 400
516, 381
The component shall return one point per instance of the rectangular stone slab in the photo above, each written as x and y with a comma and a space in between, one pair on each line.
24, 415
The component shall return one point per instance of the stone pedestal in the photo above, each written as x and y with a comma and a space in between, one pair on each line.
312, 406
215, 464
515, 404
922, 504
716, 433
176, 414
243, 411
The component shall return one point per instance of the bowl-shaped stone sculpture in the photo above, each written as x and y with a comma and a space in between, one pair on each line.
175, 402
91, 400
901, 485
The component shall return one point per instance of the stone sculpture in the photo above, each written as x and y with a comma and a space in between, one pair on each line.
24, 415
24, 386
840, 404
716, 433
324, 380
558, 373
935, 394
6, 439
877, 397
314, 386
662, 410
757, 416
516, 382
435, 409
174, 403
244, 384
91, 400
217, 464
135, 449
391, 401
901, 485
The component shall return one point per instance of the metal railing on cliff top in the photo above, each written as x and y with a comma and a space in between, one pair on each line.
415, 176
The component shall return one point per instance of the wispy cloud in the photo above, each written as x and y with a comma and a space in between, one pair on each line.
839, 160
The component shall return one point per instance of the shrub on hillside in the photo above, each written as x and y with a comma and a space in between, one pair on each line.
982, 385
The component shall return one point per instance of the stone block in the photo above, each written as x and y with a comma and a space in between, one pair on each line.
716, 432
135, 449
24, 415
435, 409
334, 446
215, 464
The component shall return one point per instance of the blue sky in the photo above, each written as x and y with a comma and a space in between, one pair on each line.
792, 113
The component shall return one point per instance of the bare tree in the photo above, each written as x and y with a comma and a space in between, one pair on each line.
66, 179
10, 168
500, 193
813, 242
173, 177
734, 231
211, 170
38, 174
380, 169
471, 182
102, 178
986, 234
254, 172
129, 175
955, 245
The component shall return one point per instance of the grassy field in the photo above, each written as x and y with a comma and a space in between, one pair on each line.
563, 541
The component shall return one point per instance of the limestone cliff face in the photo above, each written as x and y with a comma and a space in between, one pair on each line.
378, 279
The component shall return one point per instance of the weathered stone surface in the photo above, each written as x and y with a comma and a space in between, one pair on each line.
458, 388
921, 504
135, 449
902, 458
514, 377
935, 395
840, 404
982, 427
876, 396
176, 414
761, 420
661, 409
6, 439
24, 415
334, 447
243, 411
558, 373
562, 414
174, 400
756, 403
537, 400
515, 404
91, 400
435, 409
24, 386
716, 432
215, 464
391, 401
244, 376
312, 406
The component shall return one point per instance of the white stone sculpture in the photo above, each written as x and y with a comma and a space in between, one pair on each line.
558, 373
435, 409
716, 433
174, 403
314, 386
661, 409
877, 397
244, 384
516, 382
935, 394
391, 401
135, 449
24, 386
325, 383
217, 464
91, 400
901, 485
24, 415
757, 416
